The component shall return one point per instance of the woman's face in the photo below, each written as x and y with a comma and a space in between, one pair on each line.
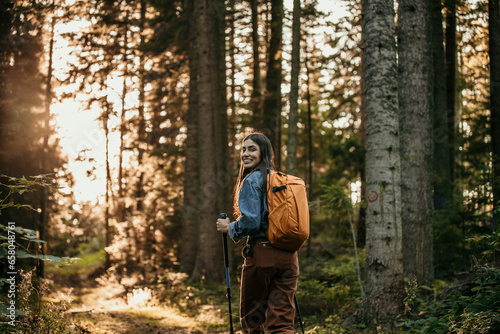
250, 154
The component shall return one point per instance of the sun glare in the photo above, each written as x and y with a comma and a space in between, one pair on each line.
83, 143
81, 138
79, 128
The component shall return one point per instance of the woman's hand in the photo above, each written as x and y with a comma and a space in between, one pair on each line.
223, 225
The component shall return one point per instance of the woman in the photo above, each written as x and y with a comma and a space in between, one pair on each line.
269, 275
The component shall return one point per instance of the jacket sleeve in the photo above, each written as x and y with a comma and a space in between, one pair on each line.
250, 205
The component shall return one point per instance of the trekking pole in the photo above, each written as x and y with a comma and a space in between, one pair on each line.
226, 264
298, 313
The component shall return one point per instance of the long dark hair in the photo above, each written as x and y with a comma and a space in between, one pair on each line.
266, 163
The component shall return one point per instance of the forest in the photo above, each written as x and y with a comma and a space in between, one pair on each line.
121, 125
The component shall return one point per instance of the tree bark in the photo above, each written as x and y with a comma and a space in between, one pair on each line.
44, 193
107, 214
415, 109
190, 214
451, 67
383, 299
494, 30
361, 228
141, 127
120, 214
310, 147
232, 127
221, 115
272, 102
441, 160
257, 79
209, 17
291, 161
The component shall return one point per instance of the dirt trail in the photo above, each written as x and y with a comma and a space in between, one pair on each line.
113, 308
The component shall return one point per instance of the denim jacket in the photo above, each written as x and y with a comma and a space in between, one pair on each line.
252, 222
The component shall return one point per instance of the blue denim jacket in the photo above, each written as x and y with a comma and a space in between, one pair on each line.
252, 220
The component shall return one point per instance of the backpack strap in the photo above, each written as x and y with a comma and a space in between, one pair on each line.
266, 219
264, 194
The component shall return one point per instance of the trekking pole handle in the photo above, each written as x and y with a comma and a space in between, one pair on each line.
224, 238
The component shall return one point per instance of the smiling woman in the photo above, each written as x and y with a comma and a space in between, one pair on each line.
250, 154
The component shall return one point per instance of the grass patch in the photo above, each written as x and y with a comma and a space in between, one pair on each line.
86, 264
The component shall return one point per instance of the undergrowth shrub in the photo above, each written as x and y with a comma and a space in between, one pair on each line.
470, 307
328, 290
38, 317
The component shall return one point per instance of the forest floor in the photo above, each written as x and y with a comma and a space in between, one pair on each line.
96, 305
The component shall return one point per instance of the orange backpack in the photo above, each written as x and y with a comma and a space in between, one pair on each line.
288, 211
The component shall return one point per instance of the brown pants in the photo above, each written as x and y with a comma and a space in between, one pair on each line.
268, 284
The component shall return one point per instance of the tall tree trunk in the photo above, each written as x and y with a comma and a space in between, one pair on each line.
361, 228
107, 227
494, 30
191, 215
146, 243
441, 159
120, 209
272, 101
44, 194
212, 136
141, 128
221, 117
291, 161
309, 142
232, 128
220, 103
451, 67
310, 146
256, 80
383, 299
415, 110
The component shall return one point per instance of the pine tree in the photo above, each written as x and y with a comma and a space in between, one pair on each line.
383, 297
190, 212
415, 103
451, 80
212, 132
272, 122
291, 161
257, 101
494, 52
442, 170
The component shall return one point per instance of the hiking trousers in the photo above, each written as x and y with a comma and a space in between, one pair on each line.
268, 284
